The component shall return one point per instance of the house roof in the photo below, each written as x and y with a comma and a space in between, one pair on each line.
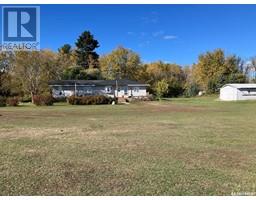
241, 85
122, 82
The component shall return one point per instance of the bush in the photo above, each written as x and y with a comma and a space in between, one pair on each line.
43, 100
26, 99
139, 99
59, 99
2, 101
13, 101
90, 100
72, 100
191, 90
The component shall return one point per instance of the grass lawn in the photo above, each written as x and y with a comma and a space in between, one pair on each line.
196, 146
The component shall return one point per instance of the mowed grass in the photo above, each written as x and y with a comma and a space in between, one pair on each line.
196, 146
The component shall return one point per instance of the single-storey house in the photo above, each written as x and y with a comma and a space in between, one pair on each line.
114, 88
234, 92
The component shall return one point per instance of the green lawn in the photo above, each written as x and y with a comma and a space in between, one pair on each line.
196, 146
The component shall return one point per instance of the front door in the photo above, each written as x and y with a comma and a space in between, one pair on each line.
125, 90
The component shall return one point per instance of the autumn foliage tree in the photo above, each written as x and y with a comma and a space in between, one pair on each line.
33, 70
214, 69
6, 63
66, 56
161, 88
121, 63
191, 87
172, 73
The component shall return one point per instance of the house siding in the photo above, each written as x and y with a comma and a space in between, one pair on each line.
246, 95
123, 91
229, 93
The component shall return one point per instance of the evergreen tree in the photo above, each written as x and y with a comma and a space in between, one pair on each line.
85, 51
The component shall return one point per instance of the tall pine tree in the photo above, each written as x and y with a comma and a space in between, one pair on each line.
85, 52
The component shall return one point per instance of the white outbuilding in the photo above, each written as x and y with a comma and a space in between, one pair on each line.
235, 92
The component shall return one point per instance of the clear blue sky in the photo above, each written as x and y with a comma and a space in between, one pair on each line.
172, 33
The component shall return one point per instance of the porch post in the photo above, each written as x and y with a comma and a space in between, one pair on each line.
116, 89
75, 89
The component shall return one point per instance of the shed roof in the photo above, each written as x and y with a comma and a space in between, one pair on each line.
122, 82
241, 85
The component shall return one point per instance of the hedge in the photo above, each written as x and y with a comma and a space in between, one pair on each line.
43, 100
13, 101
91, 100
2, 101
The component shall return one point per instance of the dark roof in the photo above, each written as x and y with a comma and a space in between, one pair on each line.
121, 82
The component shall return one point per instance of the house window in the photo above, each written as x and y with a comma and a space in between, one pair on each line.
136, 89
125, 90
108, 89
88, 90
248, 92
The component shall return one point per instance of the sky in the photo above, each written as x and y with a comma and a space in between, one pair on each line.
171, 33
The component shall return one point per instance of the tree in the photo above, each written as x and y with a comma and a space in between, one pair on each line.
34, 69
65, 49
6, 63
120, 63
161, 88
191, 88
93, 74
251, 70
172, 73
74, 73
214, 69
85, 50
66, 57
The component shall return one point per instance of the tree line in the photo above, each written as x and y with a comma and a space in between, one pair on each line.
27, 74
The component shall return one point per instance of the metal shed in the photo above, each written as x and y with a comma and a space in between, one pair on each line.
235, 92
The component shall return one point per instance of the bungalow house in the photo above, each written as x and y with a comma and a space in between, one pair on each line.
114, 88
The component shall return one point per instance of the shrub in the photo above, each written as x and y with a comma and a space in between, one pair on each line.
43, 100
90, 100
162, 88
26, 99
60, 99
71, 100
139, 99
12, 101
191, 90
2, 101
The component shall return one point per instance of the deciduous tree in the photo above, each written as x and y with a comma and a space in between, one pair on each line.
121, 63
172, 73
214, 69
66, 57
34, 69
162, 88
6, 63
